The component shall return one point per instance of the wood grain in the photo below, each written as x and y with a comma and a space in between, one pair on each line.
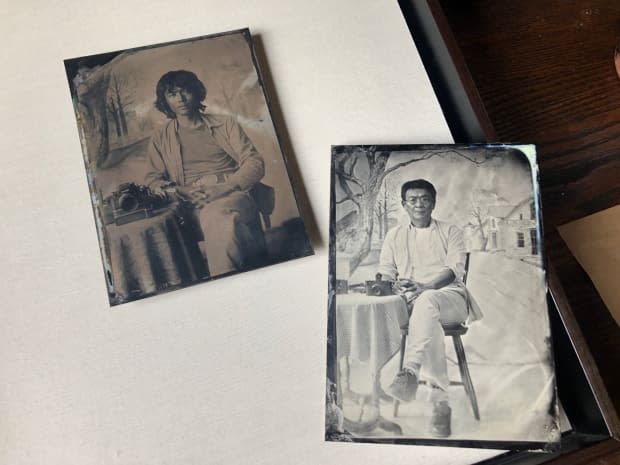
603, 453
545, 73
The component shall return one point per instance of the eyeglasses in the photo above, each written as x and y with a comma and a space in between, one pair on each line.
424, 200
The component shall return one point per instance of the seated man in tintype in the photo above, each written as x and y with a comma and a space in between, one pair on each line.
209, 159
428, 257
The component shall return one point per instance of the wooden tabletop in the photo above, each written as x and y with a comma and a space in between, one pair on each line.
545, 73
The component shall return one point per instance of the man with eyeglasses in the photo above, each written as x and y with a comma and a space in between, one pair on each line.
426, 258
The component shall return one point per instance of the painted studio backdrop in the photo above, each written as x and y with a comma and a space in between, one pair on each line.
502, 385
153, 228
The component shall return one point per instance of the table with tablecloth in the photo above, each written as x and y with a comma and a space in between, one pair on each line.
368, 330
368, 327
151, 255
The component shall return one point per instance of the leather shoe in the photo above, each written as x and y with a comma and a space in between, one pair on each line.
404, 386
440, 420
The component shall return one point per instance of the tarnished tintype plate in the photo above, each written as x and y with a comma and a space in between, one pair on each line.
438, 328
187, 178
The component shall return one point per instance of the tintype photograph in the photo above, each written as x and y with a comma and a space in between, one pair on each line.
187, 178
438, 327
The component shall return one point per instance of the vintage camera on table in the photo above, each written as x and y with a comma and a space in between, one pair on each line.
378, 287
132, 202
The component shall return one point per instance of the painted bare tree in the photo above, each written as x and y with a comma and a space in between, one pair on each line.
482, 199
360, 173
387, 206
113, 109
119, 100
93, 112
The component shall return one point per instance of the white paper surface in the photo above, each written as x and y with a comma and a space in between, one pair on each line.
227, 372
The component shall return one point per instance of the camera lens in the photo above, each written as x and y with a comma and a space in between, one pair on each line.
128, 202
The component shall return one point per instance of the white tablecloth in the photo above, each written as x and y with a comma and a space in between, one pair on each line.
368, 328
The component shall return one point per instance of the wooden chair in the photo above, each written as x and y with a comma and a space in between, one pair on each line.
454, 331
265, 199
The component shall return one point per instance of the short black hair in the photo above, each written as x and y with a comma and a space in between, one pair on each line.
181, 79
418, 184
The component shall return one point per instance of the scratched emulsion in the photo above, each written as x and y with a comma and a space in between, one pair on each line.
491, 194
114, 100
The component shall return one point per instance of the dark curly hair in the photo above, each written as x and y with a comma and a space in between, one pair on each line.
180, 79
418, 184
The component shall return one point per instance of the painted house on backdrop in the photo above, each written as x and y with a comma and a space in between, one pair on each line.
512, 229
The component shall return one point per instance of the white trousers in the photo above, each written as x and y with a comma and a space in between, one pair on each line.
426, 341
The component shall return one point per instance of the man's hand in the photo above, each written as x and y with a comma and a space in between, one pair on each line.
204, 194
193, 194
415, 292
212, 193
404, 285
408, 289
